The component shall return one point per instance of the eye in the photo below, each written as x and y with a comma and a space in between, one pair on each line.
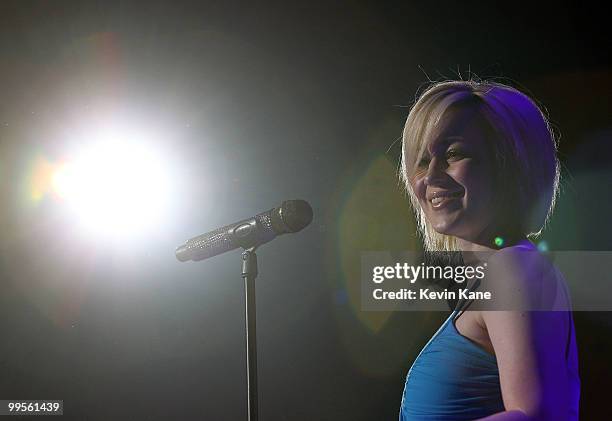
454, 154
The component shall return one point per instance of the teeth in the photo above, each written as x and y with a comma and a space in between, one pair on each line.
436, 201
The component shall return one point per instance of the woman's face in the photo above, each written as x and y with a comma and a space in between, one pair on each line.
454, 179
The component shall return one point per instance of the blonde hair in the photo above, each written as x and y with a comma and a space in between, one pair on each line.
525, 151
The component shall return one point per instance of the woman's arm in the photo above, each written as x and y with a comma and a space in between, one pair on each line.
530, 352
529, 345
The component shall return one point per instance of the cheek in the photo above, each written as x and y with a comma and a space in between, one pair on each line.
477, 181
418, 187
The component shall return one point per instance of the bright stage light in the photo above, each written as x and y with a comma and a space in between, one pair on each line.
116, 185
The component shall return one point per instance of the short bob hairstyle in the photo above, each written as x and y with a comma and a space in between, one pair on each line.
523, 149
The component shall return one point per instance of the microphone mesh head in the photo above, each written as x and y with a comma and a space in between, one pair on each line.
296, 214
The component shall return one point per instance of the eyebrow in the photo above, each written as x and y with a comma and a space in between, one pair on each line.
445, 141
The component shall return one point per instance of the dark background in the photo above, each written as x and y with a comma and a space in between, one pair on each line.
258, 103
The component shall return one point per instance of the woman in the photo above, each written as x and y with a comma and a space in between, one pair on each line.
479, 163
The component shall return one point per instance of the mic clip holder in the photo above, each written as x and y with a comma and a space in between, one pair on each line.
245, 235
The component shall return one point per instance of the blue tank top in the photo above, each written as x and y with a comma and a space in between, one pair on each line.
452, 379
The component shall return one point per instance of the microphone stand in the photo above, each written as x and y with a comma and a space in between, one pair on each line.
292, 216
249, 273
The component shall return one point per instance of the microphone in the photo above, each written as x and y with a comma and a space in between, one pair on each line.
290, 216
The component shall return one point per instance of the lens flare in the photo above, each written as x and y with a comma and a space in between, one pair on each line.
499, 241
543, 246
112, 182
40, 178
64, 180
113, 185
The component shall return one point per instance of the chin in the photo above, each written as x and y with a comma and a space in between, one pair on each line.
444, 228
459, 228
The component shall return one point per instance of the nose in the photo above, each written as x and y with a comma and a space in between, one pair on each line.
435, 172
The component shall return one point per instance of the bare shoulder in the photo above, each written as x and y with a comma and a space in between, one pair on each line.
521, 279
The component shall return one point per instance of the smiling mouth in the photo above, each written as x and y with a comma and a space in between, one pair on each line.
442, 199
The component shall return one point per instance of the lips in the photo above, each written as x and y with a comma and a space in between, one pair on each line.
441, 198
